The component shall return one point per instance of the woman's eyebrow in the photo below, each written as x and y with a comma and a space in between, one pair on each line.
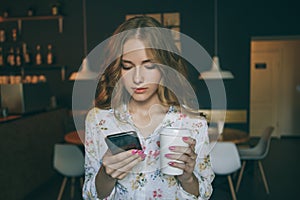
126, 61
146, 61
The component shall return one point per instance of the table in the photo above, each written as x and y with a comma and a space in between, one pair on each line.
75, 137
9, 118
229, 135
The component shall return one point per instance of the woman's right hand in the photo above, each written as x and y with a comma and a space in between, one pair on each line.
119, 165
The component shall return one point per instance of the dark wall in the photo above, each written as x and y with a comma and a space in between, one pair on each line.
67, 47
238, 22
27, 151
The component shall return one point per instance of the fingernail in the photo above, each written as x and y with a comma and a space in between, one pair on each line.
143, 156
140, 152
167, 155
133, 152
172, 148
171, 163
185, 138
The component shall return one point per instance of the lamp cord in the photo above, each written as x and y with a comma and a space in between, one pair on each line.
84, 28
216, 27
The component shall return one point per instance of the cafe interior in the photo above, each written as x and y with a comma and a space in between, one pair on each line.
254, 48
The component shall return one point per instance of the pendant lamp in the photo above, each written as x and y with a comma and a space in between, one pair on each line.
85, 73
216, 72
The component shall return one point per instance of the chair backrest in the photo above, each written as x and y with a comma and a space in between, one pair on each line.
225, 158
263, 145
68, 160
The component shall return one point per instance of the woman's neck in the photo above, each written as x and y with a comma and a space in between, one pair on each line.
143, 107
147, 116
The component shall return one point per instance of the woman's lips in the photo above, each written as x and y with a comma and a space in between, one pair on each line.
139, 90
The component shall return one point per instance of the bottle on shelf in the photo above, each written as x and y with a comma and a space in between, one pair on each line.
14, 34
18, 57
1, 58
2, 35
11, 57
30, 12
54, 9
26, 55
5, 13
38, 55
49, 55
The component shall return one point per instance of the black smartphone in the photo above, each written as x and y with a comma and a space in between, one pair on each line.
123, 141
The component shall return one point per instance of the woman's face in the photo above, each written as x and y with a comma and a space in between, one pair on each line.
140, 74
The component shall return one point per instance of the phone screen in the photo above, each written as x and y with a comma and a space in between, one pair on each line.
123, 141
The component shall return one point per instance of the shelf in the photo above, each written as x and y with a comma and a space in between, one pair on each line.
19, 20
31, 18
32, 67
22, 69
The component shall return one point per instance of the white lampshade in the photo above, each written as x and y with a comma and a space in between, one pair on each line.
215, 72
85, 73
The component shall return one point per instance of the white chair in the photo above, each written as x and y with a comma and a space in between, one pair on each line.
225, 160
68, 161
257, 153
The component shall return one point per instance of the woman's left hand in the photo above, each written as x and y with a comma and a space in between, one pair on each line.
187, 156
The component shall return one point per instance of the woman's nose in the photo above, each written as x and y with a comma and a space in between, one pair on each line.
138, 77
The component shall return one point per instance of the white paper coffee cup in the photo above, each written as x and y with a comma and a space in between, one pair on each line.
171, 137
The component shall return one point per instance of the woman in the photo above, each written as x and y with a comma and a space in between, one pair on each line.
143, 90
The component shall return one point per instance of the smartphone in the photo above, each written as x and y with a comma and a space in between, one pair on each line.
123, 141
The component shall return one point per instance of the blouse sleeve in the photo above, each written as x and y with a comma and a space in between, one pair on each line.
94, 150
203, 170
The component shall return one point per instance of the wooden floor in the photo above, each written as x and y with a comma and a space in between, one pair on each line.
282, 169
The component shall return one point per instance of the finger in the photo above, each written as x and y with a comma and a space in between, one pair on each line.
183, 158
122, 176
181, 149
116, 159
184, 154
125, 160
120, 156
179, 157
118, 175
127, 168
121, 172
193, 146
189, 140
116, 170
183, 166
110, 168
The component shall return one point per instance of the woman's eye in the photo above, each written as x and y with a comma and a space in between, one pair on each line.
126, 67
150, 66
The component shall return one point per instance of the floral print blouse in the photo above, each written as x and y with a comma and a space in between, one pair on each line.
146, 181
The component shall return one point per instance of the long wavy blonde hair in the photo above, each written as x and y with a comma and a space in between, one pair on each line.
167, 55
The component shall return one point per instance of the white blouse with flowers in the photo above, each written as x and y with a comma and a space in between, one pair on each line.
146, 181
